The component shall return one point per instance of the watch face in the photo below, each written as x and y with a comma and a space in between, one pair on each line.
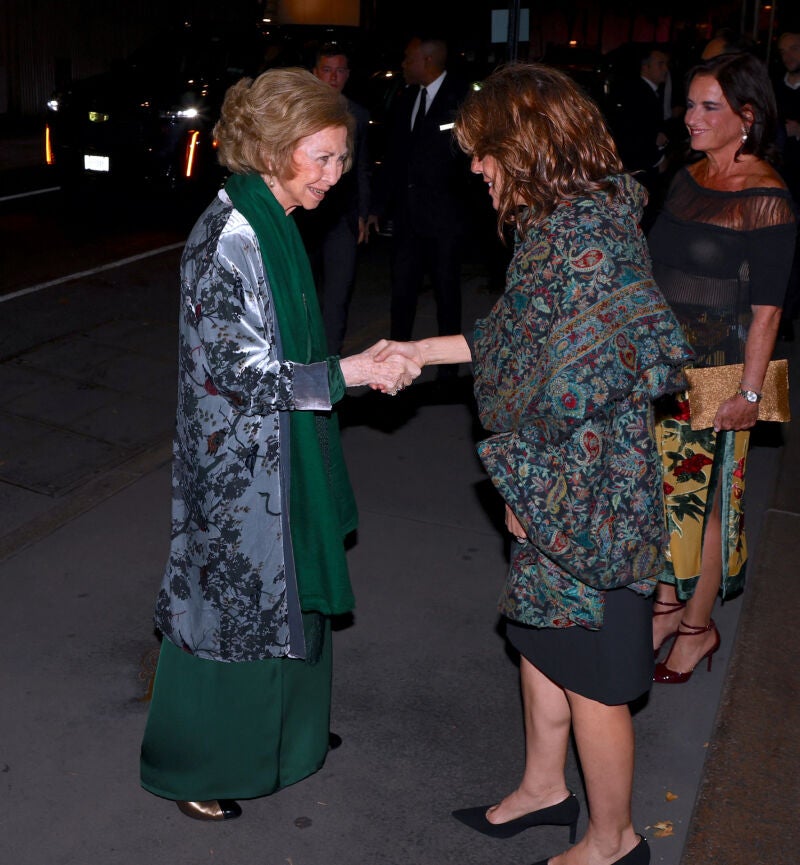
750, 396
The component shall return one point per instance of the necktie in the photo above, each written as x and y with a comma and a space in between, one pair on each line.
423, 93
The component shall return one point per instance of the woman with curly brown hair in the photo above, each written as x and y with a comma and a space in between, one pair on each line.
567, 365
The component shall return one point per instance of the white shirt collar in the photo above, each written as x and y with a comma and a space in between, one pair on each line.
433, 88
789, 84
654, 87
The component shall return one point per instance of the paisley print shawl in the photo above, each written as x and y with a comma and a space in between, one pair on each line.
567, 364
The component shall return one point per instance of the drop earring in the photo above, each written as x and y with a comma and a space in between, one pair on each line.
745, 133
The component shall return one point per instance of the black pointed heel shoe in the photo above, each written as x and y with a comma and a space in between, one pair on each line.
640, 855
565, 813
213, 809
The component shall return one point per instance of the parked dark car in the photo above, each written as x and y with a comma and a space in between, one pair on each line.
149, 119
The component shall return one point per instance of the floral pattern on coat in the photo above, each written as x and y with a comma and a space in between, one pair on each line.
228, 592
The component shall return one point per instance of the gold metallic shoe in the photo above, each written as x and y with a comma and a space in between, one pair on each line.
213, 809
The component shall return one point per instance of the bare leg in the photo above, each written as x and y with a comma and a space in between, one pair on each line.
605, 740
687, 650
547, 723
669, 616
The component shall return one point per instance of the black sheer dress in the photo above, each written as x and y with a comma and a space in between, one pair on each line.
716, 254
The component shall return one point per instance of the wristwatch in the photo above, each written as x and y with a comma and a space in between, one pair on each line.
750, 395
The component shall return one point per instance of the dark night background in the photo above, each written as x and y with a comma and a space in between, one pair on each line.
45, 43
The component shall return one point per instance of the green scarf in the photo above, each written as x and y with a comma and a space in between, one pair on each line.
322, 508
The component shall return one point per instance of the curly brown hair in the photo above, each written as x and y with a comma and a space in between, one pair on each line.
547, 136
262, 120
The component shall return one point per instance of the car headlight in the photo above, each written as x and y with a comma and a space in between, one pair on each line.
179, 114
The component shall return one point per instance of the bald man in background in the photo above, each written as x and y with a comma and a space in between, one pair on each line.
424, 189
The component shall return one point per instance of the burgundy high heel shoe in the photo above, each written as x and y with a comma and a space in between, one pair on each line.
665, 676
673, 606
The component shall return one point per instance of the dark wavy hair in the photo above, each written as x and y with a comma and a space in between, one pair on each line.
547, 135
746, 86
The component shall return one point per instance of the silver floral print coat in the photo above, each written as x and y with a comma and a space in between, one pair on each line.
229, 591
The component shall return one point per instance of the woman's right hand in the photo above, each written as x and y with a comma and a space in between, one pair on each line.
384, 349
424, 352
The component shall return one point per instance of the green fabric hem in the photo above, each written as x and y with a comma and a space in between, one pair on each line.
233, 794
236, 731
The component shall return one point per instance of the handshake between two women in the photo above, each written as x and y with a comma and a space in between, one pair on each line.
389, 366
385, 371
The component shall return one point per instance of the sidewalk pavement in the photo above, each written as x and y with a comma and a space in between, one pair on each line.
425, 694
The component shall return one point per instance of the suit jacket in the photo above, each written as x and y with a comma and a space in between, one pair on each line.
424, 180
639, 119
789, 109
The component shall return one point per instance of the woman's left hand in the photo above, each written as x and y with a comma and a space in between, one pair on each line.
515, 526
736, 413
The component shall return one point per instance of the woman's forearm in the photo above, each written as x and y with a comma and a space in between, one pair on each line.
760, 345
444, 349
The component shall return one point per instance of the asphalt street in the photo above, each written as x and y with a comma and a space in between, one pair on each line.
425, 690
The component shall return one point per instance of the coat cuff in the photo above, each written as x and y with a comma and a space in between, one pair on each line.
311, 388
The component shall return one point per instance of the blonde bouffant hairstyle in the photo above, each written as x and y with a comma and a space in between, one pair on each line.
547, 136
263, 119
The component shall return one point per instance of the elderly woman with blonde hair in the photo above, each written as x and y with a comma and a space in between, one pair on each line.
261, 499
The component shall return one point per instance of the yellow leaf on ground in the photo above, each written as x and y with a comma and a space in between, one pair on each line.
663, 829
670, 797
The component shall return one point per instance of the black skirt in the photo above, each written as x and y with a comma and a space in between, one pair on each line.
613, 665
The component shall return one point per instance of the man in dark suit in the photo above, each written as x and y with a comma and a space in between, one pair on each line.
334, 230
423, 187
640, 125
640, 128
787, 95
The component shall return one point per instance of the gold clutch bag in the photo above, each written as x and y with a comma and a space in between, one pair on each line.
711, 386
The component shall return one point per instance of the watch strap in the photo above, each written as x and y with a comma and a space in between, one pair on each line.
749, 395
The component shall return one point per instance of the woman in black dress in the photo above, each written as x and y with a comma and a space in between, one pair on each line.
722, 253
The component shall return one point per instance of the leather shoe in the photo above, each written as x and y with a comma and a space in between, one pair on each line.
640, 855
213, 809
565, 813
